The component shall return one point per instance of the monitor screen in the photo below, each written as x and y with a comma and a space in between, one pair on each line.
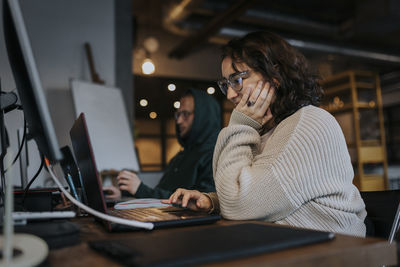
27, 81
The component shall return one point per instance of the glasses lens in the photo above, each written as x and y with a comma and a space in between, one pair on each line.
236, 83
223, 85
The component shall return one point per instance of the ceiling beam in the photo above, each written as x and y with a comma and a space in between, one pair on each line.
226, 17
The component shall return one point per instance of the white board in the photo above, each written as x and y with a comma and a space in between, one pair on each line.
108, 125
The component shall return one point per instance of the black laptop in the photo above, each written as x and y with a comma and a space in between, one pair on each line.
159, 216
196, 246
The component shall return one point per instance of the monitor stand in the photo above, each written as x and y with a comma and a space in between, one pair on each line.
19, 249
28, 250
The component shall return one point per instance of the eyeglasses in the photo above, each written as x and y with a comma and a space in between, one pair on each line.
184, 113
235, 81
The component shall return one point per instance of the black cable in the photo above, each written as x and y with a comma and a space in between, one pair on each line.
20, 148
31, 181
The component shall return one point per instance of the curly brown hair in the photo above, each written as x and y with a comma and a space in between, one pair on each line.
282, 66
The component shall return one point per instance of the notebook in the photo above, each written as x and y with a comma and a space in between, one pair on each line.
159, 216
188, 246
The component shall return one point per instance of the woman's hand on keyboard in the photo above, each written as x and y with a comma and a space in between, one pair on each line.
191, 199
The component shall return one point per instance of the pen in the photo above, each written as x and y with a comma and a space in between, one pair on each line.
71, 184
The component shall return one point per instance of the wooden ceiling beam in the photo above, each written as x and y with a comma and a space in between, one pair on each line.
226, 17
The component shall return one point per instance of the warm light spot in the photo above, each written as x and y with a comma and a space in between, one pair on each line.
153, 115
177, 104
371, 103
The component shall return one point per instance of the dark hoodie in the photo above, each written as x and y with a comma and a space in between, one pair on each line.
192, 167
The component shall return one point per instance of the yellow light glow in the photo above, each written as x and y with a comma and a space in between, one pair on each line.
210, 90
371, 103
171, 87
153, 115
143, 102
177, 104
148, 66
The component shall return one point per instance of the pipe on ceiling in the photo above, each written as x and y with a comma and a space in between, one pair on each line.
181, 11
177, 13
323, 47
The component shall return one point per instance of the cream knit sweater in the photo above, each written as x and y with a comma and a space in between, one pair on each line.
298, 174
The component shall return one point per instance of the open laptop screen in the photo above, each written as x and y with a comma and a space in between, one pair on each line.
87, 165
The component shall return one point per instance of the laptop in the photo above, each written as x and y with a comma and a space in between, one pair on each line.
160, 216
201, 245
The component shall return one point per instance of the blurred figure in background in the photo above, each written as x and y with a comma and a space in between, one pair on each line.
198, 122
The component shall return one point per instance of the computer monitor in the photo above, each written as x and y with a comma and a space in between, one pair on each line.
30, 91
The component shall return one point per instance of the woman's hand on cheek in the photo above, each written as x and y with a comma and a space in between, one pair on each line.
255, 103
267, 105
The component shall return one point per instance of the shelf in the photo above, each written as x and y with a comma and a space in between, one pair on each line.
346, 74
347, 86
349, 107
353, 94
366, 143
372, 154
336, 77
370, 182
371, 142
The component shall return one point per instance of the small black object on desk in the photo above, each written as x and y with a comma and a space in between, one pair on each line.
56, 233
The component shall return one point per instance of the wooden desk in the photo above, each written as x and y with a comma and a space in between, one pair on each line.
342, 251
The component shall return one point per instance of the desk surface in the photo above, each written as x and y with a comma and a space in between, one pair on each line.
342, 251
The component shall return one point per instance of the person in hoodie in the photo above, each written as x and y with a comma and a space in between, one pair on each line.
198, 122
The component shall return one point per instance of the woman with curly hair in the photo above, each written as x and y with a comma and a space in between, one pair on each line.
281, 159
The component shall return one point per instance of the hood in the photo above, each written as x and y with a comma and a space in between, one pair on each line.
206, 123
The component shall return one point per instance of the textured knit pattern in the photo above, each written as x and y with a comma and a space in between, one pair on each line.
301, 175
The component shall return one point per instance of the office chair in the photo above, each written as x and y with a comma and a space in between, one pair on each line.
383, 213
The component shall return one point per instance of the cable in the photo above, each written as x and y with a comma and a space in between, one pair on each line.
103, 216
20, 147
32, 180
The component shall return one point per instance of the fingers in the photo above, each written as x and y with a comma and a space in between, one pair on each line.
124, 187
265, 108
126, 174
253, 99
176, 195
183, 196
123, 182
130, 184
112, 192
186, 197
245, 98
264, 101
125, 177
266, 97
191, 199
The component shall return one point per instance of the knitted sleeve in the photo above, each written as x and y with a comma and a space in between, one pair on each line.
304, 159
246, 183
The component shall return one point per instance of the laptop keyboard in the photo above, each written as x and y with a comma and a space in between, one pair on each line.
153, 214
